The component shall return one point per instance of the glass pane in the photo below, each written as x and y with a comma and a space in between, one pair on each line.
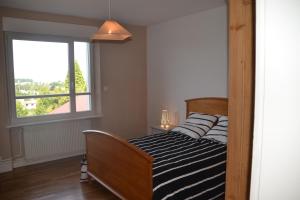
83, 103
82, 66
40, 68
42, 106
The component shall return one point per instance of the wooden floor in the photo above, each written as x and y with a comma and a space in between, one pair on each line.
49, 181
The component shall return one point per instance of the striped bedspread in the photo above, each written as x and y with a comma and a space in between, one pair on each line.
185, 168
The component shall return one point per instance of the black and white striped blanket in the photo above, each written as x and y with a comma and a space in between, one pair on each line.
185, 168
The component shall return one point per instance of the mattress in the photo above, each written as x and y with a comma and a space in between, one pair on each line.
185, 168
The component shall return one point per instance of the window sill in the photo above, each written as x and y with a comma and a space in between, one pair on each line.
52, 121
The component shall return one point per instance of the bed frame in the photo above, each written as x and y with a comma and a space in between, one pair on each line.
125, 169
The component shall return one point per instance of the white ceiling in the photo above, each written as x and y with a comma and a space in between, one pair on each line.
138, 12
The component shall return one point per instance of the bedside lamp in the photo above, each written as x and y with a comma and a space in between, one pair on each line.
164, 123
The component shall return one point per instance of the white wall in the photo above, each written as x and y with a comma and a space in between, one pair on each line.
187, 58
276, 158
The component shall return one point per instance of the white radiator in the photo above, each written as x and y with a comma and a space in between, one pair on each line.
54, 141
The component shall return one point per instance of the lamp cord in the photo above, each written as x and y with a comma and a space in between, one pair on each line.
109, 7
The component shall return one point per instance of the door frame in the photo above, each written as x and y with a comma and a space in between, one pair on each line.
241, 98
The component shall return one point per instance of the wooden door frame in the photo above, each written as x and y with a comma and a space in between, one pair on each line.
241, 98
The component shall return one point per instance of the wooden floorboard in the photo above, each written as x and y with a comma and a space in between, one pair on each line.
51, 181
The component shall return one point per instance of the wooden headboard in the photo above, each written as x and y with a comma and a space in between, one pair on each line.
209, 105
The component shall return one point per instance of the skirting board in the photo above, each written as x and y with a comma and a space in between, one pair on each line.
6, 165
9, 164
22, 162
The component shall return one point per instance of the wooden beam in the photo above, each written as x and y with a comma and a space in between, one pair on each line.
241, 95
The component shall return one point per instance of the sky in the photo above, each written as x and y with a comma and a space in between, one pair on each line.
46, 61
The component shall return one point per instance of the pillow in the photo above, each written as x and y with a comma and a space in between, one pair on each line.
196, 125
223, 120
201, 118
218, 132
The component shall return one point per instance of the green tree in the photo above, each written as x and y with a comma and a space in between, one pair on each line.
47, 105
21, 110
80, 83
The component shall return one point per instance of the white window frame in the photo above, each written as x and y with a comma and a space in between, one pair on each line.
73, 115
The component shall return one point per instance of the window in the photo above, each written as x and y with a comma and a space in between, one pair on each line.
49, 77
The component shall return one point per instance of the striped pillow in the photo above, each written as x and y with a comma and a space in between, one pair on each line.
196, 125
202, 119
219, 132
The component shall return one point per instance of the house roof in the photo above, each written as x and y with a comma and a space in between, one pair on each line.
82, 104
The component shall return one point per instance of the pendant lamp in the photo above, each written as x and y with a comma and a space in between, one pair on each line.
111, 30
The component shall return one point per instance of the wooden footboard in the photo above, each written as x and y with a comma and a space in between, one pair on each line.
118, 165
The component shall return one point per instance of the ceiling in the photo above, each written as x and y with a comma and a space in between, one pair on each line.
137, 12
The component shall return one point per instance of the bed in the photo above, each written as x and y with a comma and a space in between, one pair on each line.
133, 171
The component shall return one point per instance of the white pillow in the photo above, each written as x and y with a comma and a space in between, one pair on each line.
196, 125
219, 132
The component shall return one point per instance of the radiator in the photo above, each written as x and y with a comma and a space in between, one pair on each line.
54, 141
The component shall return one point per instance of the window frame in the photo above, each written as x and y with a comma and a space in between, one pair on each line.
73, 114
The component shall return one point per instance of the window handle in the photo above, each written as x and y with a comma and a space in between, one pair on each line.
72, 86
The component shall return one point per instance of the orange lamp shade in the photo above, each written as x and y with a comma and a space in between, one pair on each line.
111, 30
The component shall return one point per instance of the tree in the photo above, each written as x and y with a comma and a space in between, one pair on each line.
21, 110
47, 105
80, 83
